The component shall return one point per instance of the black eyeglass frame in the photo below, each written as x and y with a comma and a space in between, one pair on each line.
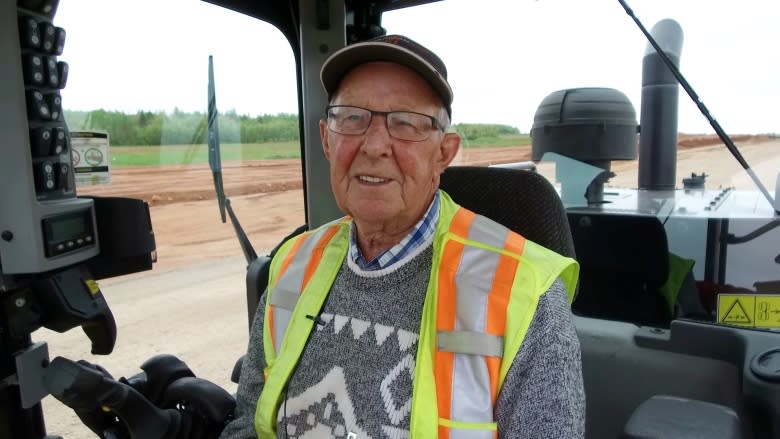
434, 122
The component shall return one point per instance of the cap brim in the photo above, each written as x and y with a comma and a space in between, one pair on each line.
336, 67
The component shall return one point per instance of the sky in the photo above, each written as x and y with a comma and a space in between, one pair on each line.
152, 55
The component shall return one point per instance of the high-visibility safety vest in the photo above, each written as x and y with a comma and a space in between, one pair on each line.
484, 277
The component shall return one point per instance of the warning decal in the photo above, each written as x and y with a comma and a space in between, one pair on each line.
750, 310
89, 152
736, 313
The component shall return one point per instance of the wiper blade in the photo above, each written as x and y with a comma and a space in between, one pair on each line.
702, 108
215, 162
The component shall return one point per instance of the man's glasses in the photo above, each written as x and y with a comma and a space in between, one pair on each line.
401, 125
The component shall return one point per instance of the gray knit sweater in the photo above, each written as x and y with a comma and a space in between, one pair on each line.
355, 375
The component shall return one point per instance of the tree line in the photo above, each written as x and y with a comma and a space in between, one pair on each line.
146, 128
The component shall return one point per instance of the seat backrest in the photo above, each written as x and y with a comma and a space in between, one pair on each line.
523, 201
624, 261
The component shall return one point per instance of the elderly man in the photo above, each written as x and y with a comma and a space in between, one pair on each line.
411, 316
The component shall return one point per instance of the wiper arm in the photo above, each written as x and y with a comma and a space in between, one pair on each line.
215, 163
243, 239
702, 108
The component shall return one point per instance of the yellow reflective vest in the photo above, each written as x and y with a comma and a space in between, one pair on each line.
475, 261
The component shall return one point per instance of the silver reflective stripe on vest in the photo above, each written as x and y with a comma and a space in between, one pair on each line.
285, 299
472, 343
471, 393
485, 231
281, 320
287, 291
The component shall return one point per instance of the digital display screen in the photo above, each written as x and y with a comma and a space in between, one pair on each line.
66, 228
68, 232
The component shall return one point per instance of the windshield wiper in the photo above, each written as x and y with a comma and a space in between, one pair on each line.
702, 108
215, 162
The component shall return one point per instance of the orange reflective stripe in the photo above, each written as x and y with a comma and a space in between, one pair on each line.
290, 255
446, 313
498, 301
515, 243
493, 368
461, 222
271, 326
316, 255
443, 362
282, 270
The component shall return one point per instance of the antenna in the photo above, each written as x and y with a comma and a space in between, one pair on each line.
215, 162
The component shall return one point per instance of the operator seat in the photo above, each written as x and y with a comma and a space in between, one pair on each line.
524, 201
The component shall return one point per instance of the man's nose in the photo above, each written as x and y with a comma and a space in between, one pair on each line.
377, 137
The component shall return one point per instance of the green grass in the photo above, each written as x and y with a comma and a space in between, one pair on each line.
507, 140
198, 154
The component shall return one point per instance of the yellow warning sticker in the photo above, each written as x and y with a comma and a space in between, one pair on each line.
750, 310
768, 311
737, 309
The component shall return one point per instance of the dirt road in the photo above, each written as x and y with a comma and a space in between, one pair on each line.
193, 305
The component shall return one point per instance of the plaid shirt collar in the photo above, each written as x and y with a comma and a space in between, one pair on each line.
423, 231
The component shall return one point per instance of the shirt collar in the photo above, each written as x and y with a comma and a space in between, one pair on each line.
423, 232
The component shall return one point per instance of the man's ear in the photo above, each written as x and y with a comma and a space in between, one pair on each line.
324, 138
448, 149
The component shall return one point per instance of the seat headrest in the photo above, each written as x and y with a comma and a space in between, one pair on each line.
522, 201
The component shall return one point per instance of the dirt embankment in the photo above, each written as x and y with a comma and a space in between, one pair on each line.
181, 183
693, 141
267, 197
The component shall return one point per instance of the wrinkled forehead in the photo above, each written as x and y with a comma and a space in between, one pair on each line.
385, 83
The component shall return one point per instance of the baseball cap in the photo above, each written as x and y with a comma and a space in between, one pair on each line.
392, 48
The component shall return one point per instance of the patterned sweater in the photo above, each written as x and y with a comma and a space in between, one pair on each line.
354, 379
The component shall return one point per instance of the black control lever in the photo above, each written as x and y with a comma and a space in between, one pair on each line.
159, 372
165, 401
80, 387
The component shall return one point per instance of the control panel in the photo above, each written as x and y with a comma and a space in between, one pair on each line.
51, 254
44, 76
43, 224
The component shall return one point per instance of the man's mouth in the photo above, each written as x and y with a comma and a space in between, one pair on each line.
370, 179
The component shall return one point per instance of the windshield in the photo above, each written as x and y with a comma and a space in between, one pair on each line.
527, 76
138, 73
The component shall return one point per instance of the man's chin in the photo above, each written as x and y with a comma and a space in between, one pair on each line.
374, 212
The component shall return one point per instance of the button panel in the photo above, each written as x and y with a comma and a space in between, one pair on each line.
44, 76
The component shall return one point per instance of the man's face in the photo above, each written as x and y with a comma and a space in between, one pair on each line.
377, 179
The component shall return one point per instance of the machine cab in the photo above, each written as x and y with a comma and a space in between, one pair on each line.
673, 219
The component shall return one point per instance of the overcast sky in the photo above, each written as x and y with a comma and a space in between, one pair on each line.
153, 55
